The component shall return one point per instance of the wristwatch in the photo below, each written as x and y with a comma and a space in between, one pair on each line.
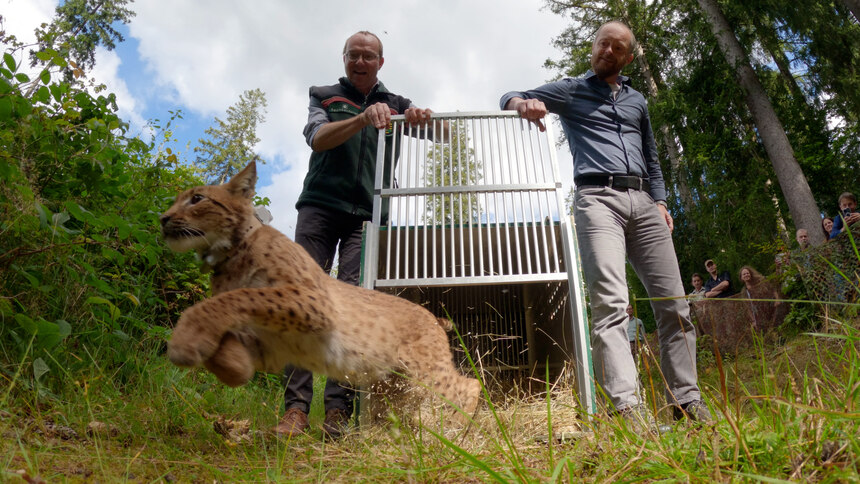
662, 202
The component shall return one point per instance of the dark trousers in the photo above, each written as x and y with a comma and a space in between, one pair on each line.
321, 232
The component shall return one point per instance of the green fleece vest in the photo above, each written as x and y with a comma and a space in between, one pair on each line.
342, 178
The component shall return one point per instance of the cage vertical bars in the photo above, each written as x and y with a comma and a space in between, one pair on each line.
484, 208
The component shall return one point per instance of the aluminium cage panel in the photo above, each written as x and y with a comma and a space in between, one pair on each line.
484, 206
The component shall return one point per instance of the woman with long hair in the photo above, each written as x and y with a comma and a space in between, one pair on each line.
758, 310
826, 227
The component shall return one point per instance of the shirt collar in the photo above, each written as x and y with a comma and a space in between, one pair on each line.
378, 87
625, 81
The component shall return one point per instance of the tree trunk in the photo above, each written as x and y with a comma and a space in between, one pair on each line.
672, 150
782, 64
771, 43
801, 204
780, 221
668, 139
854, 6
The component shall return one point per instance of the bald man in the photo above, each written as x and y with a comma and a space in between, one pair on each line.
621, 214
802, 238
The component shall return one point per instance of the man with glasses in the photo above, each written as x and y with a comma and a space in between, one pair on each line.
620, 214
336, 200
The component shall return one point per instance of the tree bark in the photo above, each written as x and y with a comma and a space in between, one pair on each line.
854, 7
780, 220
669, 141
770, 41
672, 150
801, 204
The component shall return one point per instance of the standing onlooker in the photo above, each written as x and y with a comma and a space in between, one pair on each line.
755, 287
698, 286
718, 285
848, 214
826, 226
802, 237
337, 198
621, 214
635, 333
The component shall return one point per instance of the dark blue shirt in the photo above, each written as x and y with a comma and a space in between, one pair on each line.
607, 136
712, 283
838, 225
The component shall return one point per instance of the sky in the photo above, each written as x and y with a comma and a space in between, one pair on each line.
198, 57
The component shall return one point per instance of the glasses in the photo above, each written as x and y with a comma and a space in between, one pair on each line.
355, 56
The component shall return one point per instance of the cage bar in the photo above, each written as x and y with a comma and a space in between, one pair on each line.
476, 230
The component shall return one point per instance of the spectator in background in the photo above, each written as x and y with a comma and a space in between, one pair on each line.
755, 289
780, 261
635, 333
802, 239
848, 214
718, 285
698, 286
826, 226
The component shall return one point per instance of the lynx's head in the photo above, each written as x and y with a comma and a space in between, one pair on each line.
212, 219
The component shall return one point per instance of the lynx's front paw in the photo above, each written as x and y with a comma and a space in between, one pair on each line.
191, 343
184, 354
232, 363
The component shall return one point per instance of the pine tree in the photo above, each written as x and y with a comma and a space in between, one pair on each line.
804, 210
229, 145
452, 165
78, 28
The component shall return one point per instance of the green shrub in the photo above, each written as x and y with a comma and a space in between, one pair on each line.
82, 267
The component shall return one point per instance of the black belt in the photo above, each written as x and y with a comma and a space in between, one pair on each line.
614, 181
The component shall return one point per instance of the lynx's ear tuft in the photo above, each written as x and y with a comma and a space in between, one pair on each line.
242, 185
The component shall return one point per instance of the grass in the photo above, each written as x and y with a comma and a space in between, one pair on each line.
787, 413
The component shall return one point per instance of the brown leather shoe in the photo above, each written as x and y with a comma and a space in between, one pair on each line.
293, 423
336, 423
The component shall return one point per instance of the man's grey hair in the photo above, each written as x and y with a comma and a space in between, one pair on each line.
364, 32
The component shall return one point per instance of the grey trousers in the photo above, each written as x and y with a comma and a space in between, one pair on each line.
612, 226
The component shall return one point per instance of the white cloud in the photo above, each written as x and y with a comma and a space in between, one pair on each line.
106, 71
447, 56
283, 208
21, 17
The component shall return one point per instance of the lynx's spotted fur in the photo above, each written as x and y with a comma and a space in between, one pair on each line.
273, 305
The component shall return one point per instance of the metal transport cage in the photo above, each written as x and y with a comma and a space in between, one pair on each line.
474, 228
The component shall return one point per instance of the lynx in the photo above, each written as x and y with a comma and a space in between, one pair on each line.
273, 305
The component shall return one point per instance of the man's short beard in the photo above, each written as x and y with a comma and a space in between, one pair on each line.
603, 73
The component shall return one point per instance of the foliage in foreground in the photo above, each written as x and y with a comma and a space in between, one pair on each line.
82, 272
786, 413
87, 295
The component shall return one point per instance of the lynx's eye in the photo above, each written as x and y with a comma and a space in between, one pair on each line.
196, 199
